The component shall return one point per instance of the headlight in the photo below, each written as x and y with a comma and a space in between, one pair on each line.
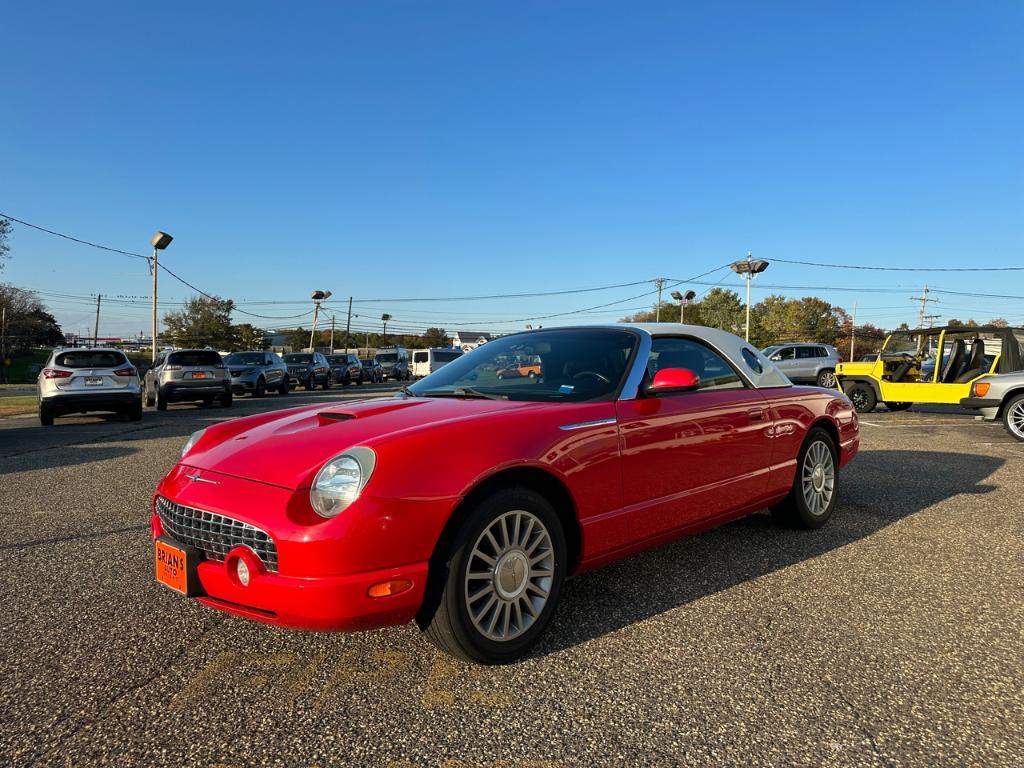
193, 439
340, 481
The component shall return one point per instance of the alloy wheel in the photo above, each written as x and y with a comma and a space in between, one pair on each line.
1015, 419
818, 478
509, 575
827, 379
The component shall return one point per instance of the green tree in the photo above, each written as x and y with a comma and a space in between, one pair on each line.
204, 321
435, 337
720, 308
248, 337
6, 228
28, 323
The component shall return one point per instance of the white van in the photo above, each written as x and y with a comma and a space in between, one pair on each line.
426, 361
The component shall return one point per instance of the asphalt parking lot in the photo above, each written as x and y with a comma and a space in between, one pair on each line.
894, 636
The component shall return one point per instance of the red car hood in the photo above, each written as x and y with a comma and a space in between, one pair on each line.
288, 448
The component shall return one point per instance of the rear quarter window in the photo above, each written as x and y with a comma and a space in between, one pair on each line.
89, 358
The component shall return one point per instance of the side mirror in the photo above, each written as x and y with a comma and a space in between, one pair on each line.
669, 380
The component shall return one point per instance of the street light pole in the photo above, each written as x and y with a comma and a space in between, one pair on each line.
348, 324
159, 241
748, 268
317, 297
683, 299
384, 318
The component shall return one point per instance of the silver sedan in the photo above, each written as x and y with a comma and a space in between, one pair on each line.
1000, 396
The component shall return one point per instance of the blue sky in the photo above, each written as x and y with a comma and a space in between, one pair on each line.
399, 149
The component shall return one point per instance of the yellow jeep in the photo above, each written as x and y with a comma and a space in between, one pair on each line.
930, 365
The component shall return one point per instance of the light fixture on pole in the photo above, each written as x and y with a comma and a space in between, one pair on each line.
683, 299
317, 297
159, 242
748, 268
384, 319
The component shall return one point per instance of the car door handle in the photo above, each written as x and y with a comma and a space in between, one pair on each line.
756, 414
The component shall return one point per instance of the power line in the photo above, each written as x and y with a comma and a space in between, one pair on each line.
898, 269
74, 239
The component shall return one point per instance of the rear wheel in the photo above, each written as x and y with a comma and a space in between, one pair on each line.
503, 576
261, 387
161, 401
813, 496
827, 378
150, 400
862, 396
45, 415
897, 406
1013, 417
226, 400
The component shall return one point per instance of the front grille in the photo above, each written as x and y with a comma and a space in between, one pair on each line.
214, 535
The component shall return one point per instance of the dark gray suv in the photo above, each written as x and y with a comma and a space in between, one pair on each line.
257, 373
308, 369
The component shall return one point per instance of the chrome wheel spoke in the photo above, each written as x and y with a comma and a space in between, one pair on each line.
509, 575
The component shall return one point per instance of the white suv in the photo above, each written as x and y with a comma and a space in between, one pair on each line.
82, 380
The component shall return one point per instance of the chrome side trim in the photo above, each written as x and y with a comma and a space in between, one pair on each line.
594, 423
631, 388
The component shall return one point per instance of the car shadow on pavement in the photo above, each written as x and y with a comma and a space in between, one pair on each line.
64, 456
872, 497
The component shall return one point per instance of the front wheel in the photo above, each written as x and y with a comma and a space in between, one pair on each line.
812, 498
327, 382
261, 387
827, 379
283, 389
863, 397
1013, 417
503, 576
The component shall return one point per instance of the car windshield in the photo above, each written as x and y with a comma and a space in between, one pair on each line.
367, 363
767, 351
298, 358
388, 358
575, 365
902, 343
90, 358
193, 358
337, 359
245, 358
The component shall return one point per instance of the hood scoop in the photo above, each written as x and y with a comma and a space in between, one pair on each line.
363, 410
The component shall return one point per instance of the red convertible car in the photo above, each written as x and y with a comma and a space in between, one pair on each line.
465, 507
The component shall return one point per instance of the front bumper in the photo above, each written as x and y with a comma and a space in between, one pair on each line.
325, 567
988, 406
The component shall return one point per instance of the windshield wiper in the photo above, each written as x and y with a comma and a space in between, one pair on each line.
406, 391
464, 392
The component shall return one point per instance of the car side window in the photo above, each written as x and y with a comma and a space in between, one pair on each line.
712, 369
806, 353
786, 353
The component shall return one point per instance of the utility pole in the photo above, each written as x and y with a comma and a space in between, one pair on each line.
853, 329
367, 343
332, 334
923, 314
96, 328
3, 342
348, 325
660, 282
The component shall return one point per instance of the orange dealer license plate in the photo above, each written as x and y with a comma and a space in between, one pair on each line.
176, 567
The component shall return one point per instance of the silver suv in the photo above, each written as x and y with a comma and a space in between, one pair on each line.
188, 375
806, 363
257, 373
82, 380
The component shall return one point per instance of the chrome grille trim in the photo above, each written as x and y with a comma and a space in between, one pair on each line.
214, 535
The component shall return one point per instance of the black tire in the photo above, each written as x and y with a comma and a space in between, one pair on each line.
827, 379
347, 381
310, 383
226, 399
134, 411
161, 401
448, 624
150, 400
45, 415
283, 389
794, 510
862, 396
261, 387
1013, 417
327, 382
897, 406
531, 375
